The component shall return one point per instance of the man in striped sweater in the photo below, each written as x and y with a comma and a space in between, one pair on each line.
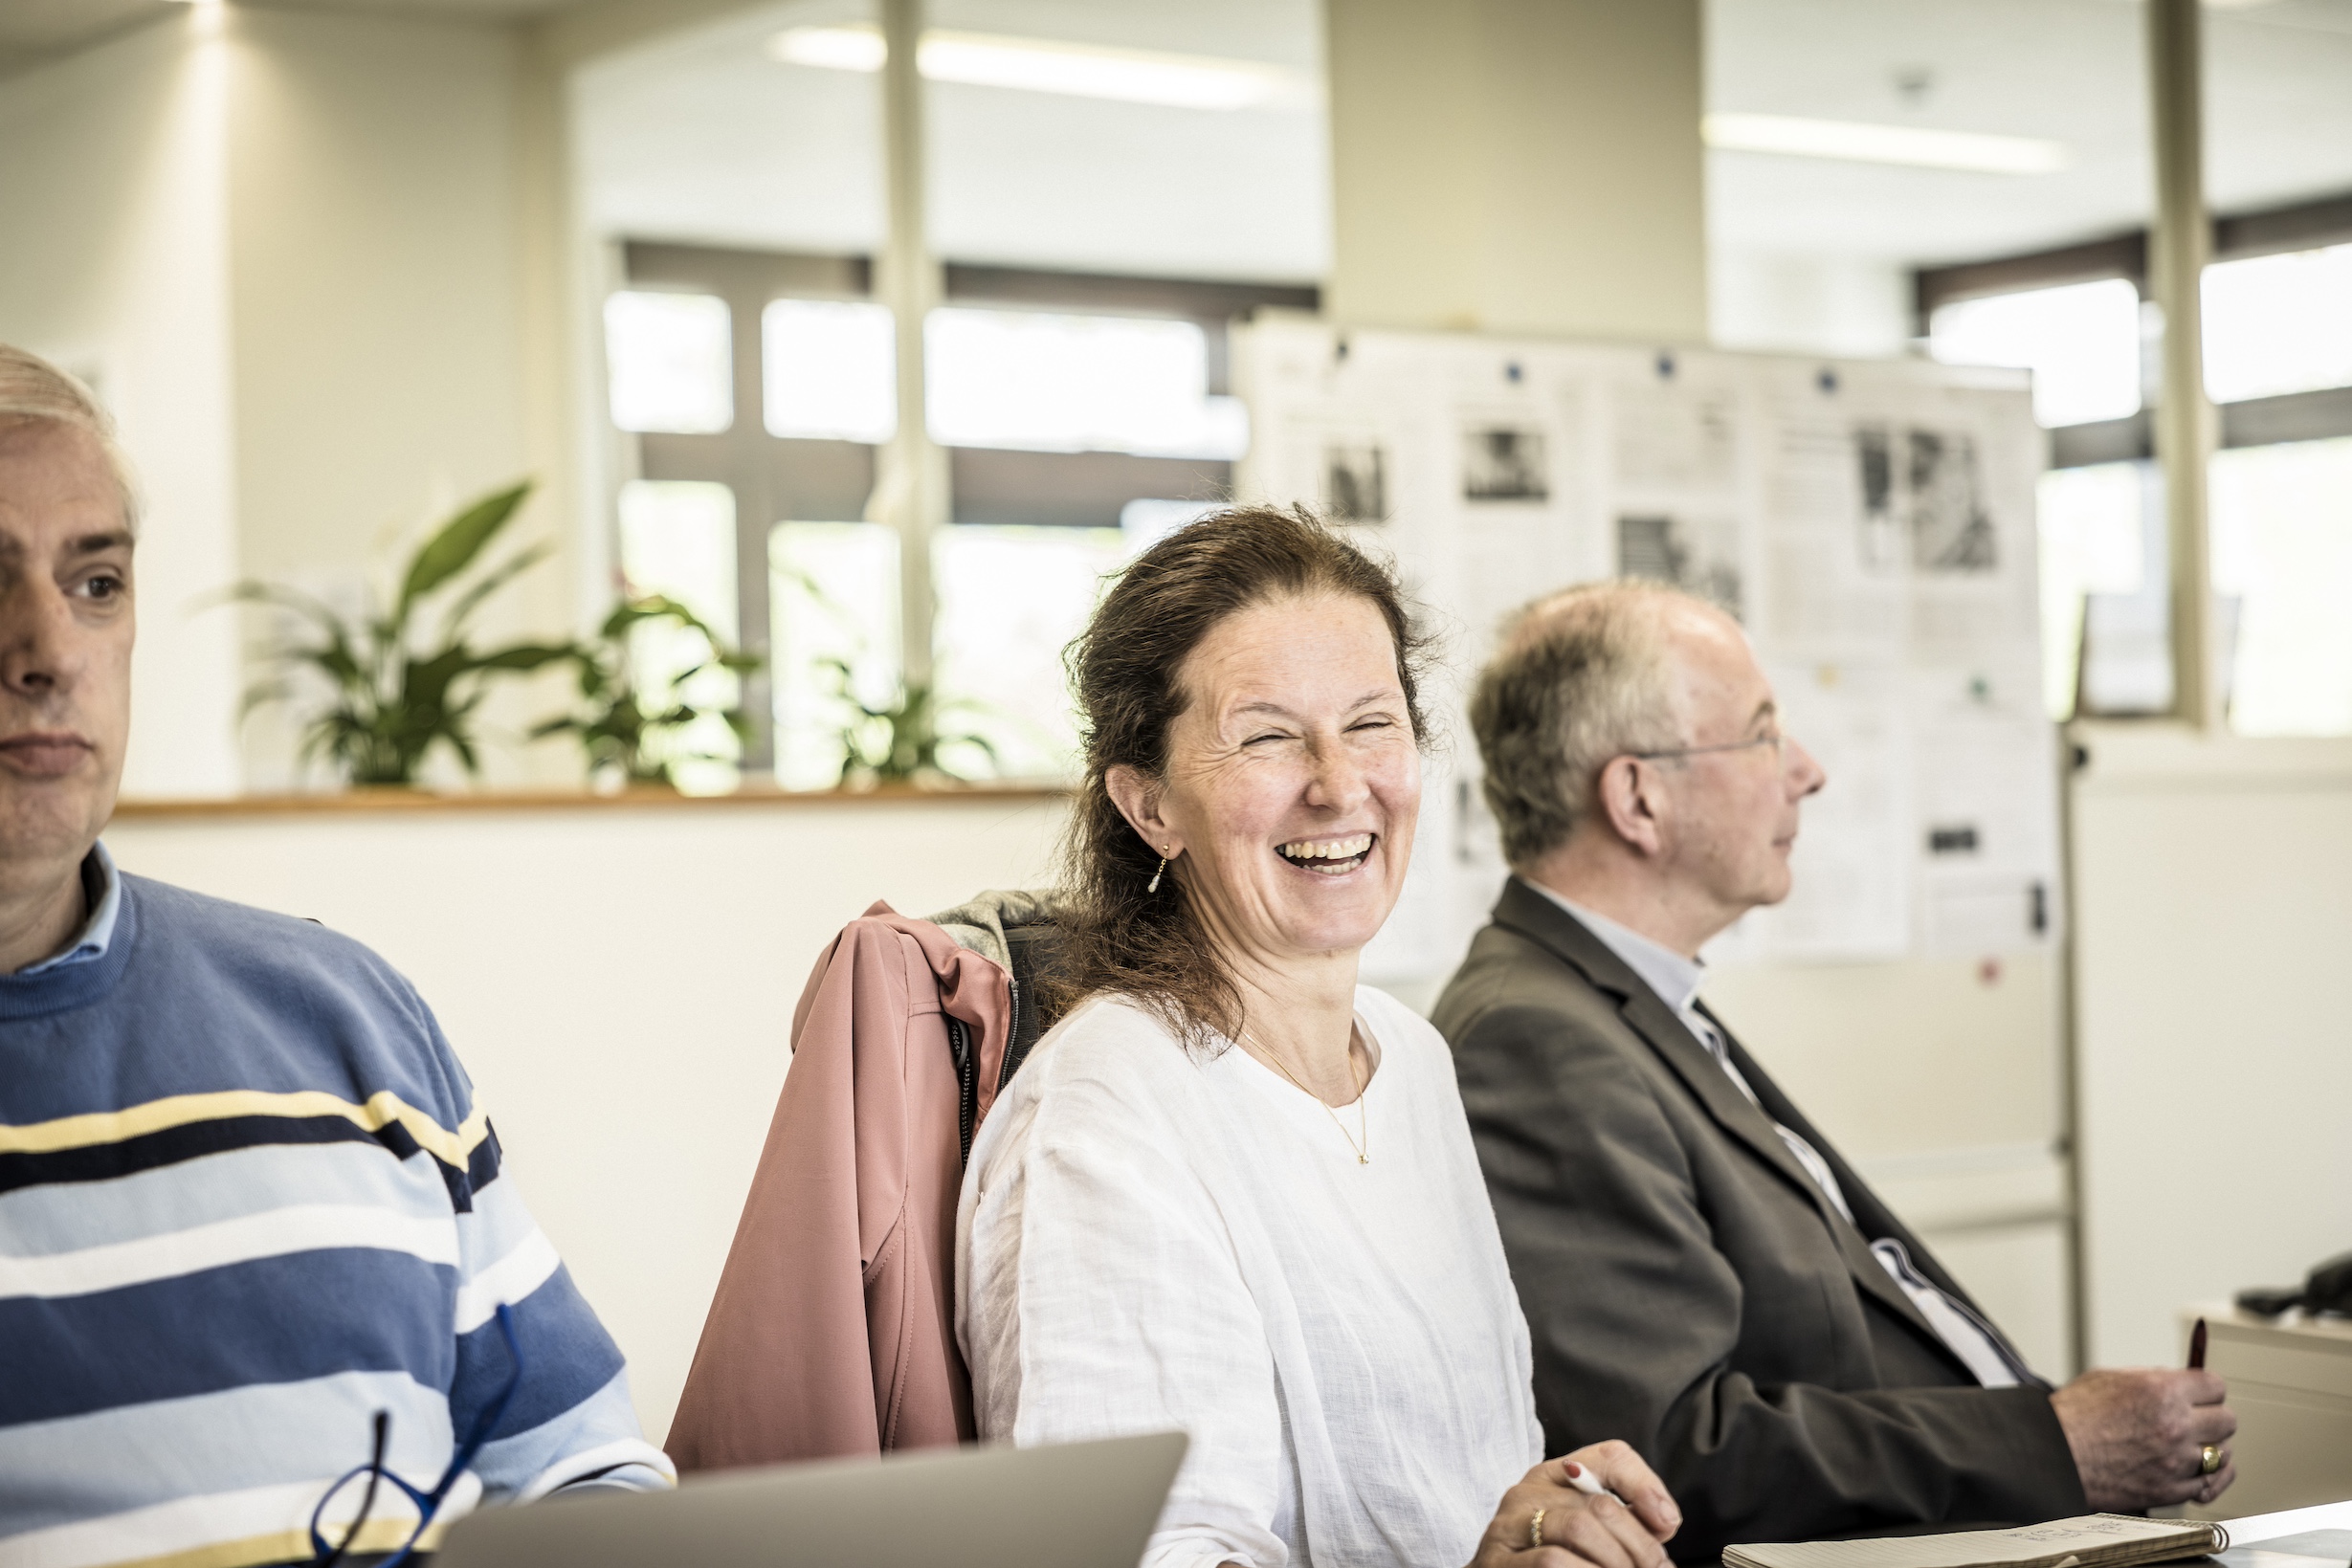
254, 1231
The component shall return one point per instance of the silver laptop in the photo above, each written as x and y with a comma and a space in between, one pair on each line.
1078, 1505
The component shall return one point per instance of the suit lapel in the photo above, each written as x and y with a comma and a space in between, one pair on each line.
1870, 1211
1527, 912
1536, 918
1853, 1240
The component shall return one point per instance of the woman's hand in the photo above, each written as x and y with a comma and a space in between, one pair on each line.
1545, 1522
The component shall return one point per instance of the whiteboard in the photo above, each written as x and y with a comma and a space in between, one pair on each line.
1870, 524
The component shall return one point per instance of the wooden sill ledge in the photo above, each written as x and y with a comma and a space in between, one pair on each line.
369, 802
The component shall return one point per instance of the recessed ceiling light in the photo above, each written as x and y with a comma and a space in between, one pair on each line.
1857, 142
1049, 65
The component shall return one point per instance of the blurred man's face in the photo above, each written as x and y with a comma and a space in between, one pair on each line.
1735, 809
65, 642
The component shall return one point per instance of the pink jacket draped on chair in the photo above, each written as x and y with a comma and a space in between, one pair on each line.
832, 1331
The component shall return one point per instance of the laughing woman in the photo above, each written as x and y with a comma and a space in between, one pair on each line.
1233, 1191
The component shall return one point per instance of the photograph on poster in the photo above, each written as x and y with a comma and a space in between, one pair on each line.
1950, 529
1502, 463
1355, 482
1700, 558
1929, 480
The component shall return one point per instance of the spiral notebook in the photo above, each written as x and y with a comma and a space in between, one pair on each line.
2095, 1540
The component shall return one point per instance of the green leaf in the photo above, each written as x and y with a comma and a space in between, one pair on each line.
523, 656
459, 541
310, 609
491, 581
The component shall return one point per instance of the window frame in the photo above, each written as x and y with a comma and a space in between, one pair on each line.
2256, 422
779, 479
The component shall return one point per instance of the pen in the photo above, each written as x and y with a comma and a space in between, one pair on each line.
1586, 1482
2196, 1347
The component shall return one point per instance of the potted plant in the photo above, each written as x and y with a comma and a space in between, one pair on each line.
899, 740
394, 693
635, 729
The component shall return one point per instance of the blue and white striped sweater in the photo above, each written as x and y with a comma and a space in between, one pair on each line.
246, 1202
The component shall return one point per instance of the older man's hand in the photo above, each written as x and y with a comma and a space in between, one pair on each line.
2138, 1436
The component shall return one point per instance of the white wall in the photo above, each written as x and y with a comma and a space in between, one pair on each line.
376, 232
113, 204
2214, 894
289, 245
619, 979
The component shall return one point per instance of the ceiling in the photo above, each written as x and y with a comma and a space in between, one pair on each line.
2278, 118
33, 31
704, 137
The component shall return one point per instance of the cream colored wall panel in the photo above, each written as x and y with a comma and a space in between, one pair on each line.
1518, 166
620, 982
1906, 1055
2213, 887
114, 262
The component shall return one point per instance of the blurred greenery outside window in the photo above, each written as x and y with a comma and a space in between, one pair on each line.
2278, 361
1082, 418
677, 539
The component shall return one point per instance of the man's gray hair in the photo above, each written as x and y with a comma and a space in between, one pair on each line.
1581, 676
30, 388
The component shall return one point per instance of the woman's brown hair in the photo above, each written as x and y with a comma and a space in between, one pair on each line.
1125, 673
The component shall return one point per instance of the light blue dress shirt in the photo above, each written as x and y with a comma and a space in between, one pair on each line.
97, 931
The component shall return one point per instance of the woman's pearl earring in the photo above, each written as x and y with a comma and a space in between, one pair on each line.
1154, 885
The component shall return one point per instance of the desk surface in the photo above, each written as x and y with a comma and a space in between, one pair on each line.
2221, 1315
2295, 1522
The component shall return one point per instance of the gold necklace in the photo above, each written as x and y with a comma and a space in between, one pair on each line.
1362, 1139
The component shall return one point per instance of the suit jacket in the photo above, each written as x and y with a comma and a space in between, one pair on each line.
1687, 1285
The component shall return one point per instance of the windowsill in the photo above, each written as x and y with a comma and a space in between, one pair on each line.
372, 802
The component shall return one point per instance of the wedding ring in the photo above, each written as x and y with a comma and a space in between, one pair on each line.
1535, 1530
2209, 1460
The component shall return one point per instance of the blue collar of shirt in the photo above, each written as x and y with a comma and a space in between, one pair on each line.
1674, 977
104, 888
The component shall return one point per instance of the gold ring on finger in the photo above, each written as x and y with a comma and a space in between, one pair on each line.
2210, 1459
1535, 1530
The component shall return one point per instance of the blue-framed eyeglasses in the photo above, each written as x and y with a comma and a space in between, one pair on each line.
427, 1503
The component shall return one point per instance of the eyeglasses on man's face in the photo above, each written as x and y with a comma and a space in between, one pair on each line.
1772, 737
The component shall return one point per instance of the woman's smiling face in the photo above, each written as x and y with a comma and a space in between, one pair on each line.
1294, 780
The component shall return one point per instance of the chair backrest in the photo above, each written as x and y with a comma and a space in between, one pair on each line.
1022, 931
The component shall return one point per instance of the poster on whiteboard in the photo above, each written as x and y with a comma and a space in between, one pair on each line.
1869, 523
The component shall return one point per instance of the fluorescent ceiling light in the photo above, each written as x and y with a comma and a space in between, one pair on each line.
1049, 65
1865, 143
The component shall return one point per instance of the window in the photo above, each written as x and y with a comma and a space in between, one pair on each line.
671, 366
2276, 324
1033, 382
830, 371
2279, 362
2093, 522
835, 597
1080, 414
2082, 340
677, 539
2282, 552
1010, 601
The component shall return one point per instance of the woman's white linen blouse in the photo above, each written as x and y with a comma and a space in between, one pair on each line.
1150, 1239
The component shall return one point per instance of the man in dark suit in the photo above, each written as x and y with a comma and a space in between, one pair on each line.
1703, 1276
